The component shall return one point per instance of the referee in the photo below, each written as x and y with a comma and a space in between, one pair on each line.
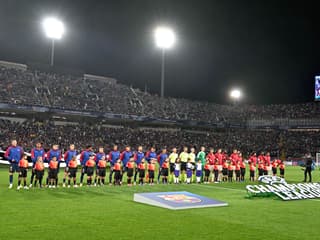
308, 168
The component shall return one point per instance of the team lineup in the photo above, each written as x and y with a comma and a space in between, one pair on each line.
139, 167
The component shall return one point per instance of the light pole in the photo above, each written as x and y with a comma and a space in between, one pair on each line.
54, 29
164, 39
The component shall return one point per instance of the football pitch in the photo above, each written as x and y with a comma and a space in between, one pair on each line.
109, 213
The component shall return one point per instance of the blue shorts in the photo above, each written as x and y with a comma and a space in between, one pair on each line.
199, 173
176, 173
14, 167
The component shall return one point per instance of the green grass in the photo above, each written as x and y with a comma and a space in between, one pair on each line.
110, 213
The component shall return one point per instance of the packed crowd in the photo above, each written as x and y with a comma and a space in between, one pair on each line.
79, 93
293, 144
186, 166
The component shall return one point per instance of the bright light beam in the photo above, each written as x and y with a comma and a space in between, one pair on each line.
235, 94
164, 37
53, 28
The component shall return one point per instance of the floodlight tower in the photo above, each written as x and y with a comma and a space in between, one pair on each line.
54, 29
164, 39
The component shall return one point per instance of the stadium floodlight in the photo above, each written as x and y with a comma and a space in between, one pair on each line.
235, 94
164, 39
54, 29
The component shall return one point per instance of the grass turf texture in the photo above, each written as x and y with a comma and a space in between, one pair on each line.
109, 213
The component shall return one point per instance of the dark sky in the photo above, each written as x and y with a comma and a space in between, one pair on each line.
269, 49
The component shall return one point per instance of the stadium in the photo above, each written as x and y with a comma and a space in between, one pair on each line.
178, 151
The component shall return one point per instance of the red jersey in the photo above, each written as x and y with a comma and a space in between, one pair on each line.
90, 163
73, 164
219, 158
242, 165
102, 164
151, 167
253, 159
267, 160
230, 168
53, 164
211, 157
215, 167
165, 165
234, 157
274, 164
130, 165
23, 163
261, 166
207, 166
117, 167
282, 166
39, 166
238, 166
142, 166
225, 165
252, 167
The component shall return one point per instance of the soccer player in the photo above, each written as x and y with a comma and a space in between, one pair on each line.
99, 155
252, 168
35, 153
68, 155
234, 157
130, 169
138, 156
165, 171
230, 171
23, 169
282, 168
53, 172
124, 157
142, 171
199, 171
151, 155
177, 168
253, 158
101, 168
172, 160
151, 169
13, 154
72, 171
274, 167
242, 171
184, 155
54, 152
117, 172
189, 170
39, 171
216, 171
207, 167
84, 157
114, 155
225, 167
90, 169
161, 158
237, 171
260, 168
202, 155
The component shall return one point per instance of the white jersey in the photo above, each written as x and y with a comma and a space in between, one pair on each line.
199, 166
189, 166
177, 167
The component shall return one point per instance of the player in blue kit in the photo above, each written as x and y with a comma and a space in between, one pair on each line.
13, 154
84, 157
99, 155
138, 156
124, 157
36, 152
151, 155
68, 155
114, 155
161, 158
54, 152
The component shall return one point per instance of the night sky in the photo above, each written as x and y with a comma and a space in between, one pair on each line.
269, 49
